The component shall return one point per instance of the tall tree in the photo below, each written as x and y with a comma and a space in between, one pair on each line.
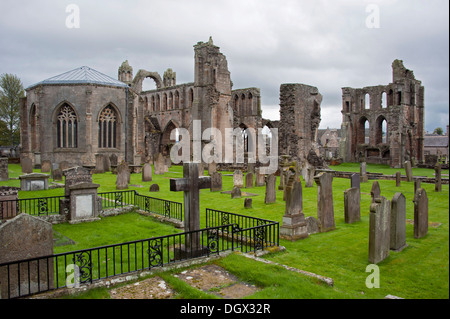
438, 131
11, 90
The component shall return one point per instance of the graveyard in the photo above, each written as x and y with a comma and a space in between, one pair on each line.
295, 269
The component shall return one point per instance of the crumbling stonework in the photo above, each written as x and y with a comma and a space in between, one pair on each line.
400, 105
299, 123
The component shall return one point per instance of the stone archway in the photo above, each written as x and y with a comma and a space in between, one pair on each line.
141, 75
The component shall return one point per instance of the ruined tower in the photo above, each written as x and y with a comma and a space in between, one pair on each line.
384, 124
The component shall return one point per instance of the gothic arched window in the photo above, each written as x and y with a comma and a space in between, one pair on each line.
67, 127
107, 128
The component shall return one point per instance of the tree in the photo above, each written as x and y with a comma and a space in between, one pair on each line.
11, 90
438, 131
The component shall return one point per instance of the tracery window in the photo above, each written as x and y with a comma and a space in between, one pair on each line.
107, 128
67, 127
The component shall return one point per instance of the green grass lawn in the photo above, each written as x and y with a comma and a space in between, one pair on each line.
420, 271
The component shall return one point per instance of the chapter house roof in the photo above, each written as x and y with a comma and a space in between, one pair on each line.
81, 75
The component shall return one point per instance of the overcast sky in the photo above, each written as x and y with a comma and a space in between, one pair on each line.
327, 44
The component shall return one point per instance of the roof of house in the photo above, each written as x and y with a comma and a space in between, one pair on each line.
435, 141
82, 75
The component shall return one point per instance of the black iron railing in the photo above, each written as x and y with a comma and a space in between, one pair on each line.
43, 206
36, 275
159, 206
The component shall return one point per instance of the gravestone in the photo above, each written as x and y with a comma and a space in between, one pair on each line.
355, 181
398, 222
76, 175
147, 172
282, 181
236, 193
309, 177
26, 237
363, 172
259, 178
248, 203
27, 165
398, 179
352, 211
8, 202
154, 188
37, 160
325, 209
312, 225
160, 165
57, 174
212, 168
420, 213
113, 160
106, 163
46, 166
379, 230
375, 191
123, 176
271, 194
294, 224
216, 182
408, 170
437, 176
4, 174
190, 184
238, 179
83, 202
99, 163
34, 182
417, 184
64, 165
249, 180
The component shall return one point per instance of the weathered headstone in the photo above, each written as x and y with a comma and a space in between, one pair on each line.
238, 179
420, 213
398, 179
294, 224
26, 237
83, 202
352, 211
34, 182
309, 177
249, 180
76, 175
236, 192
46, 166
375, 191
398, 222
57, 174
312, 225
154, 188
160, 165
123, 176
271, 194
259, 178
216, 182
99, 163
106, 163
212, 168
27, 165
248, 203
191, 184
113, 160
64, 165
355, 181
417, 184
147, 172
363, 172
325, 209
408, 170
437, 176
4, 174
379, 230
8, 202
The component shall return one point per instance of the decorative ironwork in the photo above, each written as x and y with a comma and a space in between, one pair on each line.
225, 219
167, 209
43, 206
259, 235
83, 261
118, 201
213, 241
155, 253
147, 204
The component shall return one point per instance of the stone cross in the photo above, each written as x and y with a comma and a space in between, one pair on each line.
191, 184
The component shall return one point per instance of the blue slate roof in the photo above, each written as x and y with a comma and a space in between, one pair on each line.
82, 75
